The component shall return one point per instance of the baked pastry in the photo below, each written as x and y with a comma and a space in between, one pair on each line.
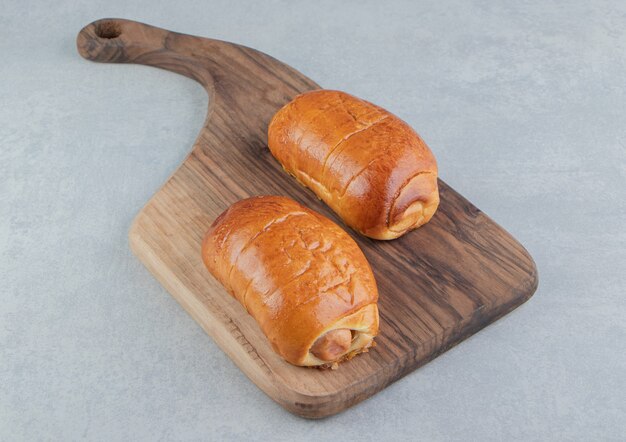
367, 164
302, 277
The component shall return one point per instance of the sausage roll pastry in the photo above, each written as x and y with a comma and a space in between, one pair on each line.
368, 165
303, 278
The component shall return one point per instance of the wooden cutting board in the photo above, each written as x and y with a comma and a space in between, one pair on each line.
438, 285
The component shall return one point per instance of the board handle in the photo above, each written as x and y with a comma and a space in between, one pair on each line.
116, 40
234, 72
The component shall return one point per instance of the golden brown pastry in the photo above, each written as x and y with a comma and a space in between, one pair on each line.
368, 165
302, 277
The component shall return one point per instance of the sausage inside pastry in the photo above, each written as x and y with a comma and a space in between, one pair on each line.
303, 278
368, 165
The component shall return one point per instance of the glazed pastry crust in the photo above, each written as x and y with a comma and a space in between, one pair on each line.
367, 164
296, 272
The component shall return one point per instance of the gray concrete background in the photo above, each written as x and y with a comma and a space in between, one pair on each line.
524, 106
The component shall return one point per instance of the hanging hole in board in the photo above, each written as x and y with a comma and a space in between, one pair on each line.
108, 29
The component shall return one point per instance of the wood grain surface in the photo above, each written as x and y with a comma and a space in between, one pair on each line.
438, 285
